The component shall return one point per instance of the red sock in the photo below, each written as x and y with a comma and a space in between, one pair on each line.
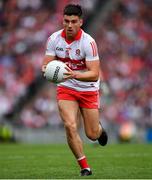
83, 162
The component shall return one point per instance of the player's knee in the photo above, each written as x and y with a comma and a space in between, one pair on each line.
92, 135
71, 128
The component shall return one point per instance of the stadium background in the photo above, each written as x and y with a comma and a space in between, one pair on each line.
122, 30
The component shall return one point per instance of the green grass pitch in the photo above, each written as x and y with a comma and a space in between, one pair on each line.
119, 161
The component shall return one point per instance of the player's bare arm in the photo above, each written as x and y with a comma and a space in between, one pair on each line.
46, 60
92, 73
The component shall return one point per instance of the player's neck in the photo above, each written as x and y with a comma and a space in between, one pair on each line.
70, 38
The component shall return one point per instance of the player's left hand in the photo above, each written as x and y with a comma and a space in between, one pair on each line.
43, 69
70, 74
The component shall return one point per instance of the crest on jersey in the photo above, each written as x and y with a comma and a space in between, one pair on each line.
77, 52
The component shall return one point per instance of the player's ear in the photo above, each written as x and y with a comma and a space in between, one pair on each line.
81, 22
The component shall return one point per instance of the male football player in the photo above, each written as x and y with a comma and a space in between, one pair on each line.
80, 89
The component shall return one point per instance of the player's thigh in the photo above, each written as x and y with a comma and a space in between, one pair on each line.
68, 111
91, 120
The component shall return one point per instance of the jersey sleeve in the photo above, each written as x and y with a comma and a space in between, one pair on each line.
91, 50
50, 48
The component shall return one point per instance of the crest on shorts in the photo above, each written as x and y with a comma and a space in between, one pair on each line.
77, 52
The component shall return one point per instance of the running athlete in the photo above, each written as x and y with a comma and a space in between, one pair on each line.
80, 89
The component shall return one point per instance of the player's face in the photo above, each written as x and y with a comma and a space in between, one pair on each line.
71, 25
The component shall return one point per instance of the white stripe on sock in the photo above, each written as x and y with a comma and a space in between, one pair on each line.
81, 158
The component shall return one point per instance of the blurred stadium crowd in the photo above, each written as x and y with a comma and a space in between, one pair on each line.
25, 26
124, 43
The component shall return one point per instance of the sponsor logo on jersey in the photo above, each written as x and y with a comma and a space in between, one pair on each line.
59, 49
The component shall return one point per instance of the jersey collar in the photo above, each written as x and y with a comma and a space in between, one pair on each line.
77, 37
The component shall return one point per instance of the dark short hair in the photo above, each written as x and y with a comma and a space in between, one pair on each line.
73, 9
